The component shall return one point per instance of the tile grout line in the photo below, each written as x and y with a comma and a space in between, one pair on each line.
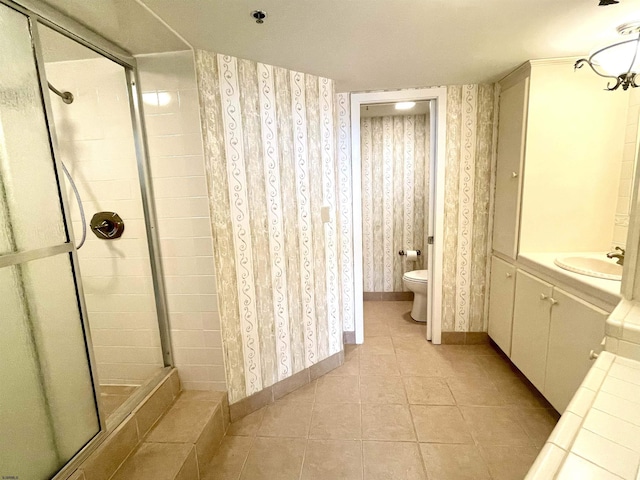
306, 445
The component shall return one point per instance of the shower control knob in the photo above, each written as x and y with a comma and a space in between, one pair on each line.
107, 225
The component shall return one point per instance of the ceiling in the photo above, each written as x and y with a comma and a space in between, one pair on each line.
58, 48
391, 44
127, 23
389, 109
365, 44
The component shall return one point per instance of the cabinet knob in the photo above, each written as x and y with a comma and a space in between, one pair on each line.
553, 301
514, 174
543, 296
509, 275
592, 355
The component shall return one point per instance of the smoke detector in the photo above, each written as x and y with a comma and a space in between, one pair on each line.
259, 15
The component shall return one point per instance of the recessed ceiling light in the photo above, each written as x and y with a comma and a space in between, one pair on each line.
405, 105
259, 15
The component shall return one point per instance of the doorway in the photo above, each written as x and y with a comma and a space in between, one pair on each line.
434, 227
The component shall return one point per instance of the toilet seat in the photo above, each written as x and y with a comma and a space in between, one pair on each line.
418, 276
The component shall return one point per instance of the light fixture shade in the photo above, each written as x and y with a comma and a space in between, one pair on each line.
618, 59
619, 62
405, 105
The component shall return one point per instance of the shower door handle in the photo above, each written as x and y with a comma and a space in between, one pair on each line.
107, 225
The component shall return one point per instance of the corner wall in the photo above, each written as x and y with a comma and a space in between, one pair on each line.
270, 159
627, 171
172, 118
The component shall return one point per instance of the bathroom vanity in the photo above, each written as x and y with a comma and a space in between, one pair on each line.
557, 182
548, 321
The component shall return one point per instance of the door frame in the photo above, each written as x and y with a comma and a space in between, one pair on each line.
435, 252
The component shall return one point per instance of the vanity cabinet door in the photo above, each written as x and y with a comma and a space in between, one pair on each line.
577, 327
511, 139
531, 318
503, 282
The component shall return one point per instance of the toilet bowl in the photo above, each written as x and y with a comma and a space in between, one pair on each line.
417, 281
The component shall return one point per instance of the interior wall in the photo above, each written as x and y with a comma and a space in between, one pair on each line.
627, 171
270, 159
395, 198
172, 117
470, 125
469, 149
572, 161
95, 141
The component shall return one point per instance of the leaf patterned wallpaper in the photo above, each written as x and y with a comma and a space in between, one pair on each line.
270, 155
395, 185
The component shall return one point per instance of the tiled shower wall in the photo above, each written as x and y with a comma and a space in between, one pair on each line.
395, 186
172, 116
627, 171
96, 144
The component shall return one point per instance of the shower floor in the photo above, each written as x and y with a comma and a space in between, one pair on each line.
113, 396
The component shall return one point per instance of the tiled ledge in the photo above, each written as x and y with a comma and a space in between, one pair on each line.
183, 442
623, 330
598, 436
111, 454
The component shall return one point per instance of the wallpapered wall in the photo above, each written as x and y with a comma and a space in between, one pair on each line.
395, 176
270, 157
470, 123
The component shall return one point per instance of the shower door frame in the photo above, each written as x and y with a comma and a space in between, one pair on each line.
39, 13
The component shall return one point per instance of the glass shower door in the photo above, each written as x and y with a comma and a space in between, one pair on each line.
48, 407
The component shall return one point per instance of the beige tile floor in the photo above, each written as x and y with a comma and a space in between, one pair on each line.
399, 408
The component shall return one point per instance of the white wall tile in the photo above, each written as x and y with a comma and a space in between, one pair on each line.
184, 222
96, 145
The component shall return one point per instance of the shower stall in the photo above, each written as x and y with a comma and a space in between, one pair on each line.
84, 334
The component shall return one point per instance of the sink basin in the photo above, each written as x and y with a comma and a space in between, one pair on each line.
591, 266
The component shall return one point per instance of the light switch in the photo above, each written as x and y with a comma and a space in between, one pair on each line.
325, 214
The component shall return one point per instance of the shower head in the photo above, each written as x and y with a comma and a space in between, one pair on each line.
67, 97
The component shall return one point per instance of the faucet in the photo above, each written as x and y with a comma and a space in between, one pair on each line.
619, 256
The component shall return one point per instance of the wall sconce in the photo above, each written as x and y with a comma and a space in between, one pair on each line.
620, 61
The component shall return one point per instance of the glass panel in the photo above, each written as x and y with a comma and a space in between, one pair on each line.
30, 213
96, 144
24, 423
57, 325
48, 405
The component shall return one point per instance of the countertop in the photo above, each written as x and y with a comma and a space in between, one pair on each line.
598, 436
606, 290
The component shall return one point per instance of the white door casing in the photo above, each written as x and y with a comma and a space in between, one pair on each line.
438, 97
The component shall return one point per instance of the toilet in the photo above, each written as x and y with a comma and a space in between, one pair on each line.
416, 281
